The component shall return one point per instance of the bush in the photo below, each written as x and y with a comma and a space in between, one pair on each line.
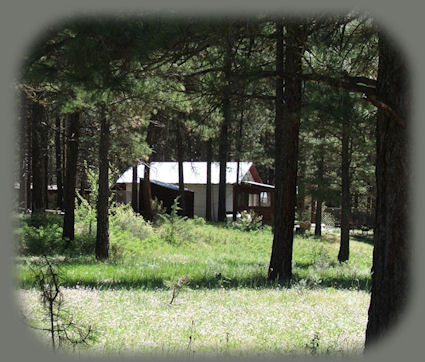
249, 221
85, 216
42, 240
124, 217
158, 209
172, 224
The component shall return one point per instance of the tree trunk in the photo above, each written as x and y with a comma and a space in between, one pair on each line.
28, 181
301, 192
83, 181
286, 131
72, 144
180, 156
102, 207
208, 195
238, 157
391, 237
146, 207
344, 248
224, 137
24, 148
58, 148
134, 196
318, 218
37, 157
46, 163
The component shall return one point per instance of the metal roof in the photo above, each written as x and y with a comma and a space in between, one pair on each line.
193, 172
167, 185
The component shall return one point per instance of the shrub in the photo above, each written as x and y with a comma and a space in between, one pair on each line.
42, 240
173, 224
158, 209
85, 215
124, 217
249, 221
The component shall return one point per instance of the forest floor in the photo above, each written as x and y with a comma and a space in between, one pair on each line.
202, 289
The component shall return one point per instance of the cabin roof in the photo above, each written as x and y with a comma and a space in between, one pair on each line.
194, 172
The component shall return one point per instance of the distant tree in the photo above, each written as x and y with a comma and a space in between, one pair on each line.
73, 138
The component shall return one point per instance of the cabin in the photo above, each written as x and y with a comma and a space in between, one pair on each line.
244, 189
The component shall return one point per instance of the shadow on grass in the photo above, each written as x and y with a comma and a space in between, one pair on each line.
365, 238
254, 281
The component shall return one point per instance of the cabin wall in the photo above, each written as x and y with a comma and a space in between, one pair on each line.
200, 199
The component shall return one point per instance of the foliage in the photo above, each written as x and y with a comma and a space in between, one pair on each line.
157, 210
172, 224
248, 221
42, 240
123, 216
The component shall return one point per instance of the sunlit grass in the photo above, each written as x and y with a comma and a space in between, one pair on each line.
219, 321
226, 305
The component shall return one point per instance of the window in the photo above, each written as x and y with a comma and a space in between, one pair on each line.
265, 199
254, 200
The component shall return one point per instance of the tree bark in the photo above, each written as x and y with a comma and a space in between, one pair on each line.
318, 218
46, 161
288, 105
28, 178
24, 149
83, 181
58, 149
224, 137
391, 251
134, 196
146, 207
208, 195
102, 207
72, 144
301, 192
344, 249
37, 157
180, 156
238, 156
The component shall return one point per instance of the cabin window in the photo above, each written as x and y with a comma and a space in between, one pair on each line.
265, 199
254, 200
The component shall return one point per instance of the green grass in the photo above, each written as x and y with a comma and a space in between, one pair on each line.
234, 309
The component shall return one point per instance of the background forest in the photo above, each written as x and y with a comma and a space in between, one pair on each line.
316, 103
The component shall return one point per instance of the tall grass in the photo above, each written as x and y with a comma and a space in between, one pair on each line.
225, 304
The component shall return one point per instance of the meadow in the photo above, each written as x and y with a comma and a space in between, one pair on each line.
188, 287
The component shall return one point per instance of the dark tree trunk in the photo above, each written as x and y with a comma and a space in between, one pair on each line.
318, 223
344, 248
58, 148
208, 195
318, 218
180, 156
287, 131
83, 181
238, 157
224, 137
37, 156
28, 181
46, 164
134, 196
102, 207
391, 251
72, 144
146, 207
301, 192
24, 153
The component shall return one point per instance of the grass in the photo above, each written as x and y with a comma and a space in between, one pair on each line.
226, 305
